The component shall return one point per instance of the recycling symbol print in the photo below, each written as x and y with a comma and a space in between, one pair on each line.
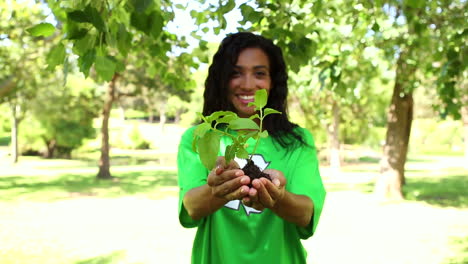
236, 204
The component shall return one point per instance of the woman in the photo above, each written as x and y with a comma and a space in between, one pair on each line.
265, 222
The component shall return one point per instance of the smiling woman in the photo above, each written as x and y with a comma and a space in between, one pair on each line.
243, 219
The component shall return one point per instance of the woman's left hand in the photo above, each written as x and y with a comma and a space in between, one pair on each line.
265, 193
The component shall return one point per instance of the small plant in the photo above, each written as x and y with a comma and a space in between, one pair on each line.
207, 135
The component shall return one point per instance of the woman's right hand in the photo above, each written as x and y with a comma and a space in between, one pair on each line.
227, 181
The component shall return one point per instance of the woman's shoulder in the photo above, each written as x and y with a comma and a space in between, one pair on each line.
188, 133
305, 134
302, 131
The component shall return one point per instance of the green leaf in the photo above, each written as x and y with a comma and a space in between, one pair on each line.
120, 66
261, 98
140, 22
230, 153
268, 111
250, 14
79, 16
215, 115
95, 17
82, 45
263, 134
227, 119
317, 7
254, 116
105, 67
77, 33
142, 5
124, 40
86, 61
376, 27
242, 153
248, 134
42, 29
208, 147
415, 3
156, 22
243, 123
201, 129
56, 56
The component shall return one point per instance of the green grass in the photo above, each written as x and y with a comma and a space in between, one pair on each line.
69, 185
4, 140
434, 183
460, 246
36, 179
446, 190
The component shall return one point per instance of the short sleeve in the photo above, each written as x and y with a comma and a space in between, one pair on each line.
191, 174
306, 180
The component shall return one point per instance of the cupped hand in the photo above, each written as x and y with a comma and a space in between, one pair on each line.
265, 193
227, 181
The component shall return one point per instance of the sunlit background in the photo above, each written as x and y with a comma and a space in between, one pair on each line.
132, 72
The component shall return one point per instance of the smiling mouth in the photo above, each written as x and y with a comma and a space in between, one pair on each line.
246, 97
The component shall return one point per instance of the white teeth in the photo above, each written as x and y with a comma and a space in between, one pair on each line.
246, 97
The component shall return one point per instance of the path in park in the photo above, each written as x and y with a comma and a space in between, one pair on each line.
353, 229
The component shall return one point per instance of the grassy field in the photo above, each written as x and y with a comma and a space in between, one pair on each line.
54, 211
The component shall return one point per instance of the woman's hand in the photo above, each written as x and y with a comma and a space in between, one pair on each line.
265, 193
227, 181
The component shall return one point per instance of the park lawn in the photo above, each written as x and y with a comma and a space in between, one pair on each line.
55, 211
35, 179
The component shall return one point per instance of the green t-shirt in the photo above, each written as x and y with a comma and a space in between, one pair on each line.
239, 234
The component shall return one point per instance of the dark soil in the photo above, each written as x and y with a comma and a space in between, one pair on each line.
254, 172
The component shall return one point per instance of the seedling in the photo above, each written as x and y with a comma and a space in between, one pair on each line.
207, 135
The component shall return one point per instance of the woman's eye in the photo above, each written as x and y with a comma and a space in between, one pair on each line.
261, 73
235, 74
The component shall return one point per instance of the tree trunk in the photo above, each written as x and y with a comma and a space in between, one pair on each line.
162, 115
333, 135
399, 119
104, 162
15, 120
51, 146
177, 117
122, 113
464, 115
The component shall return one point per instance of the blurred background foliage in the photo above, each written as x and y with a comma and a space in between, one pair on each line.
360, 71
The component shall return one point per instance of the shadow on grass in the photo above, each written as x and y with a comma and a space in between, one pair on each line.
114, 257
125, 160
125, 183
5, 141
440, 191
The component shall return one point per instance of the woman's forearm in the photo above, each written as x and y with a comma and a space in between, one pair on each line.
297, 209
200, 202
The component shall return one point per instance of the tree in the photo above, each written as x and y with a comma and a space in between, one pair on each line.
105, 34
65, 123
413, 35
20, 61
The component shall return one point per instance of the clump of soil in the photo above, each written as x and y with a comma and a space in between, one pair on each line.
254, 172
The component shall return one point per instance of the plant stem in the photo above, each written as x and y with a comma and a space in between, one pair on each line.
258, 135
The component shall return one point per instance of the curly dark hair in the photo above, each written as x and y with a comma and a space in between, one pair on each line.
221, 70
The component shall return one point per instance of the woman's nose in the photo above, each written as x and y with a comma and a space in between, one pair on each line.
248, 82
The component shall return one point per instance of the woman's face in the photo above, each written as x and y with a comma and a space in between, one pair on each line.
251, 73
